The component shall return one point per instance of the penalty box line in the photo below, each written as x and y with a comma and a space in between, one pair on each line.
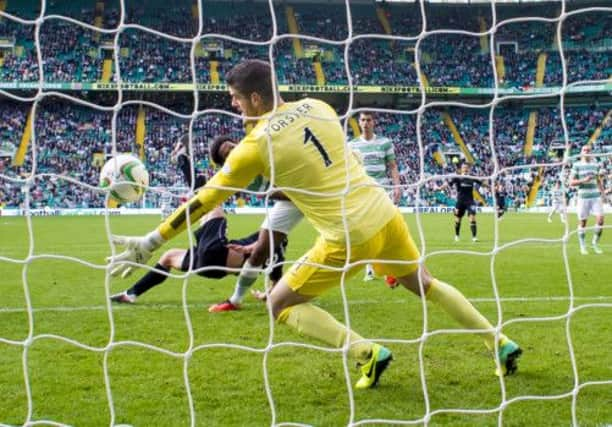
153, 306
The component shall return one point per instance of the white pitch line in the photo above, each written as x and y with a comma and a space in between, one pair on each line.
144, 306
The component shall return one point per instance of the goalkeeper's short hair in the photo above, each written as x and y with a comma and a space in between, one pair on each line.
252, 76
215, 149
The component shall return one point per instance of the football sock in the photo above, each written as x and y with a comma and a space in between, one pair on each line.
369, 270
581, 236
317, 323
459, 308
152, 278
473, 228
457, 228
247, 277
597, 233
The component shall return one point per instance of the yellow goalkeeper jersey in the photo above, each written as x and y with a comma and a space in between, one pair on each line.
301, 148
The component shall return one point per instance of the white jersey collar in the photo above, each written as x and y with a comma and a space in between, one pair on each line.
374, 137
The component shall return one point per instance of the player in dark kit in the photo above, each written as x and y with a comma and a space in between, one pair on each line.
210, 252
500, 199
465, 201
180, 154
211, 249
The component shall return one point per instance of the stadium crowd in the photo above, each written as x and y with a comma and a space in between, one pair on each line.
72, 142
69, 136
71, 52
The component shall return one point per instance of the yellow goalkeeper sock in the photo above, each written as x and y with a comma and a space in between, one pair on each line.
317, 323
459, 308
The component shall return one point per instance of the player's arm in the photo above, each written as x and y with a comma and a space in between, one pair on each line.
392, 167
242, 165
395, 178
277, 272
574, 180
600, 184
259, 252
447, 185
478, 184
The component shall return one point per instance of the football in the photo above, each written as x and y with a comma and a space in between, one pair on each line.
125, 177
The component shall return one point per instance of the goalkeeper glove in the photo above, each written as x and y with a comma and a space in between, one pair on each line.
138, 250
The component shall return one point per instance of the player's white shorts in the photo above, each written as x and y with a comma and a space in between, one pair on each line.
282, 217
557, 206
586, 207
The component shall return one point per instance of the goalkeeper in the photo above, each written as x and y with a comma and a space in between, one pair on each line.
300, 145
280, 220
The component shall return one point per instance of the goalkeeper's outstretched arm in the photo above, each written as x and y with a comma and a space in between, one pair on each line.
242, 165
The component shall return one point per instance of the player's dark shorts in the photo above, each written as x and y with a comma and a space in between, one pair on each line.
501, 203
462, 207
210, 249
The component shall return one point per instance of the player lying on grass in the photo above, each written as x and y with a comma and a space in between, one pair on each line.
211, 256
212, 247
282, 217
302, 146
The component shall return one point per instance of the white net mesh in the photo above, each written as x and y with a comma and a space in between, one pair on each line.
417, 184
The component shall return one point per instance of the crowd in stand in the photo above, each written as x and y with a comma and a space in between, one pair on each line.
72, 141
71, 52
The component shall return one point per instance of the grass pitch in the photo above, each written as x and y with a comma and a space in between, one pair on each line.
167, 358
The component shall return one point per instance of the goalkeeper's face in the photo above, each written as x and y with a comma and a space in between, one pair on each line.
248, 106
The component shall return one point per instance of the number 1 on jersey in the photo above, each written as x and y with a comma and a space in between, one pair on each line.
309, 137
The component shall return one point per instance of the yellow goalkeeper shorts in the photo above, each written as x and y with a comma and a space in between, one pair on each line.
321, 267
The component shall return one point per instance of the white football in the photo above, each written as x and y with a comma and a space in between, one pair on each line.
126, 178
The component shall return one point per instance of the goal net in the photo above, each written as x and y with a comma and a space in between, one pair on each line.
514, 90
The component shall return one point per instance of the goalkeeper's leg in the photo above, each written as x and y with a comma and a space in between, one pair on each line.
399, 245
295, 311
289, 302
452, 301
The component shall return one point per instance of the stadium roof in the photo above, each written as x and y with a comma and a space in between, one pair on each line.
602, 2
510, 2
476, 1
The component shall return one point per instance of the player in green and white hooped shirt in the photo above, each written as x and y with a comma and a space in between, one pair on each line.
557, 202
586, 175
379, 162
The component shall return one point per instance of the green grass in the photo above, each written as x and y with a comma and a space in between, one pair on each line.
74, 337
